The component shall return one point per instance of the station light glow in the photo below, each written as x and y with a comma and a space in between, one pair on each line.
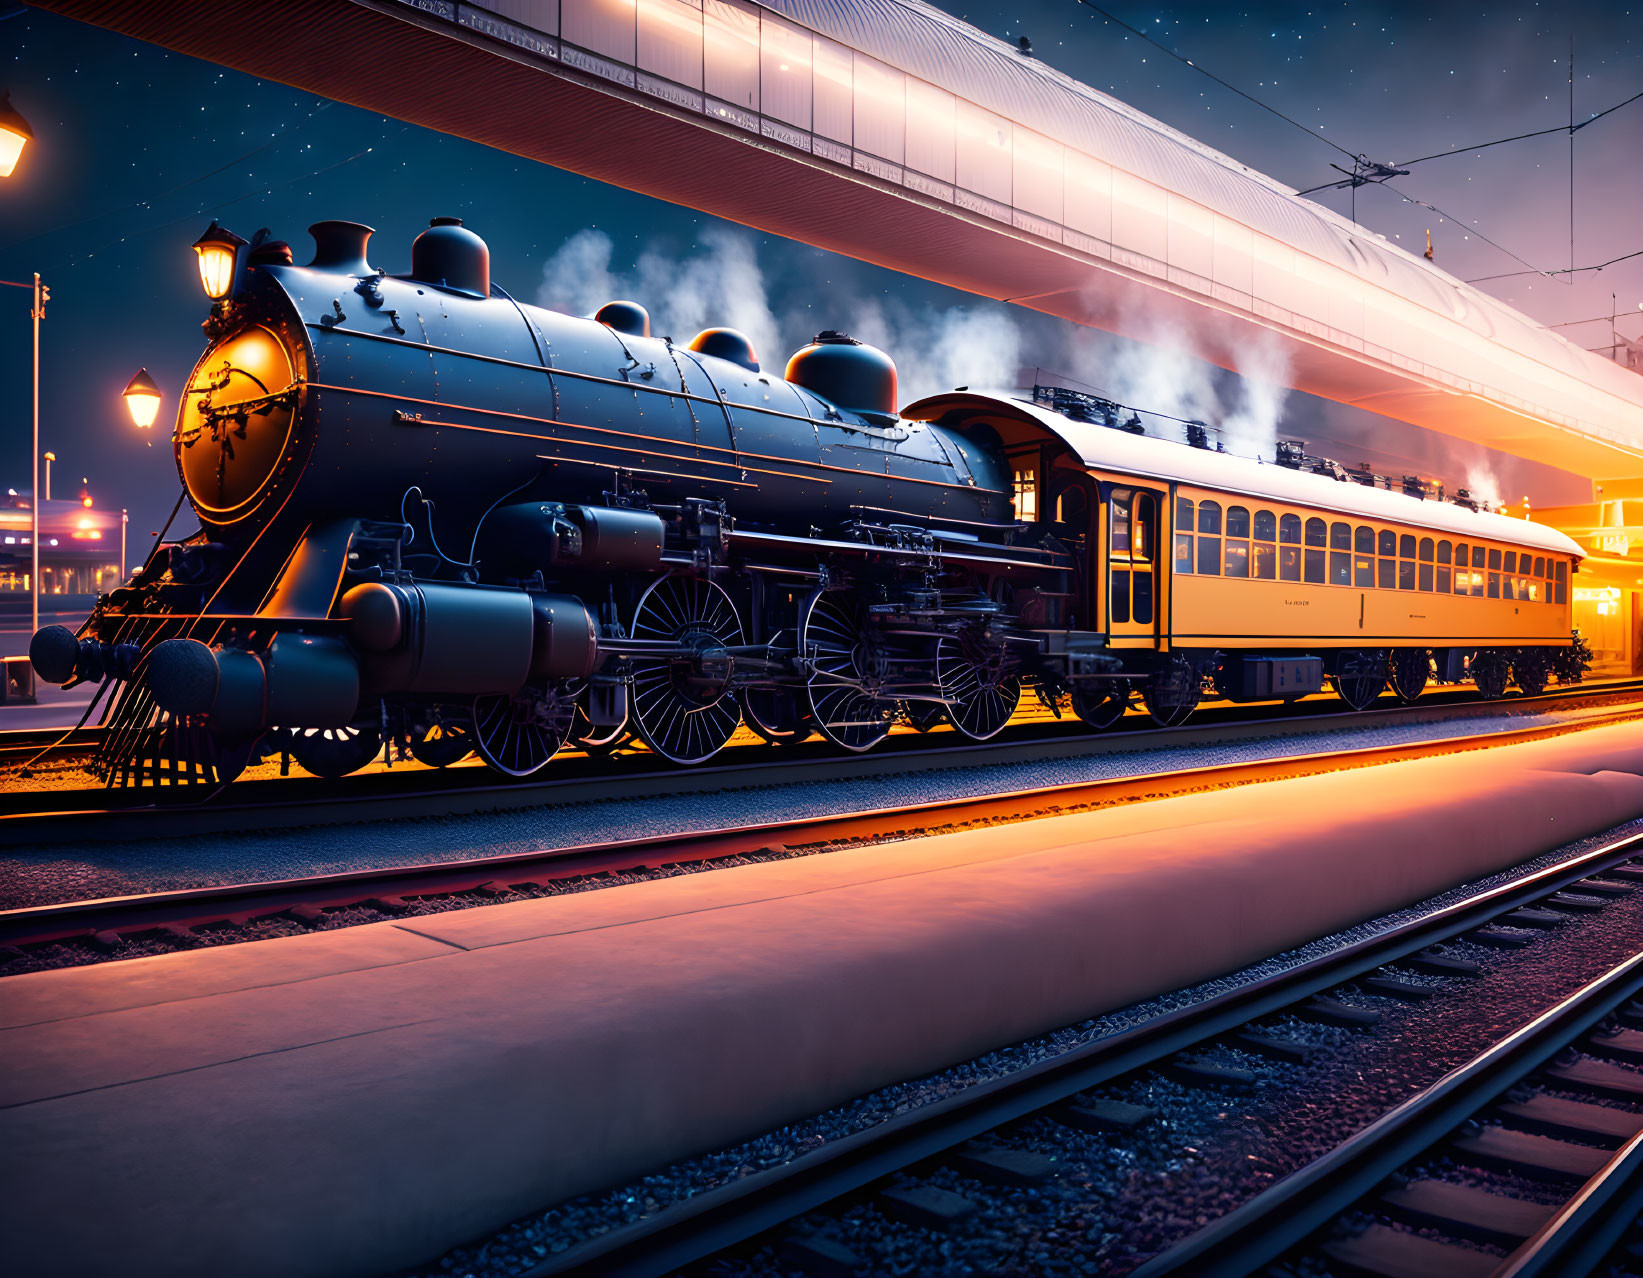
15, 134
218, 251
142, 396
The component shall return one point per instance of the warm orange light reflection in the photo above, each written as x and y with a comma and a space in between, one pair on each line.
11, 147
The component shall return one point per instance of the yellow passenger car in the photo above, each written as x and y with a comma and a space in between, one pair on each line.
1197, 566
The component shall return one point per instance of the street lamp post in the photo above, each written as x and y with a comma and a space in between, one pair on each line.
37, 312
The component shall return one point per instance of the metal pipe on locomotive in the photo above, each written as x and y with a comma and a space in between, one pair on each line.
432, 514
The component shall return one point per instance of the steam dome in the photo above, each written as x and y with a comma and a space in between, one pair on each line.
625, 317
726, 343
449, 256
849, 373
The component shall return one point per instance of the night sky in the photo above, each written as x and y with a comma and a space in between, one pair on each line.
138, 149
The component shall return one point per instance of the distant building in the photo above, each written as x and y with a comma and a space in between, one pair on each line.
81, 547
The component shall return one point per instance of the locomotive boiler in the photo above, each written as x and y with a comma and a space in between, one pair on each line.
436, 520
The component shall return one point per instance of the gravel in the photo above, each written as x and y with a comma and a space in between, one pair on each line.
1123, 1198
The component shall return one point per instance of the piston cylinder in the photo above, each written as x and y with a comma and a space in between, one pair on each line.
298, 681
467, 640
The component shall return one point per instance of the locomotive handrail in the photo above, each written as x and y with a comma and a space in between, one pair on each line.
605, 430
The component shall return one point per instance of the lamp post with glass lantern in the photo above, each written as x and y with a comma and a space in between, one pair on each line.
142, 397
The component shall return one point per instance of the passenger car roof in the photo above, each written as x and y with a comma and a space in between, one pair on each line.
1103, 448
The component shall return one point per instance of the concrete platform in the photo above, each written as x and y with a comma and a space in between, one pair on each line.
355, 1101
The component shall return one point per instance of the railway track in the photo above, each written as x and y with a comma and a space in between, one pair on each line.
90, 813
376, 893
892, 1162
1501, 1112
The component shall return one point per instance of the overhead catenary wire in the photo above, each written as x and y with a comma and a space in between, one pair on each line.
1519, 137
1577, 270
1361, 163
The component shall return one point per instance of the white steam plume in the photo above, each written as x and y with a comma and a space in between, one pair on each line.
1161, 373
720, 285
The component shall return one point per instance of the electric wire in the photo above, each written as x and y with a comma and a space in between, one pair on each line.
1577, 270
1519, 137
1357, 158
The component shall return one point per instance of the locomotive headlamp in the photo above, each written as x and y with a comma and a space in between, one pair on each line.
142, 398
15, 134
218, 249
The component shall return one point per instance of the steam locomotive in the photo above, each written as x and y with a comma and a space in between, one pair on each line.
440, 521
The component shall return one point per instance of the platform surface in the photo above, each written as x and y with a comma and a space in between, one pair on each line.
353, 1101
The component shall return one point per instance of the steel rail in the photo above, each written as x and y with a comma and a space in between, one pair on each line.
724, 1217
88, 814
1279, 1218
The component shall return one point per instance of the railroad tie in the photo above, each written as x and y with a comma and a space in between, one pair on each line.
1555, 1116
1202, 1074
1436, 963
819, 1257
1273, 1047
1392, 1253
1466, 1212
1395, 987
1498, 938
1574, 904
1019, 1167
1331, 1011
1545, 920
924, 1206
1101, 1116
1532, 1157
1600, 1077
1622, 1044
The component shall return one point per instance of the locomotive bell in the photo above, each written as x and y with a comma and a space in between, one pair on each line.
726, 343
450, 256
855, 376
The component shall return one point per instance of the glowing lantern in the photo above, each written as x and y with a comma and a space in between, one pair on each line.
218, 250
142, 398
15, 134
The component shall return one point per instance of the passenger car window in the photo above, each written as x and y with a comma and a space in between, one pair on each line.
1316, 533
1266, 526
1289, 563
1209, 517
1289, 530
1184, 522
1237, 521
1363, 541
1340, 536
1388, 542
1266, 560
